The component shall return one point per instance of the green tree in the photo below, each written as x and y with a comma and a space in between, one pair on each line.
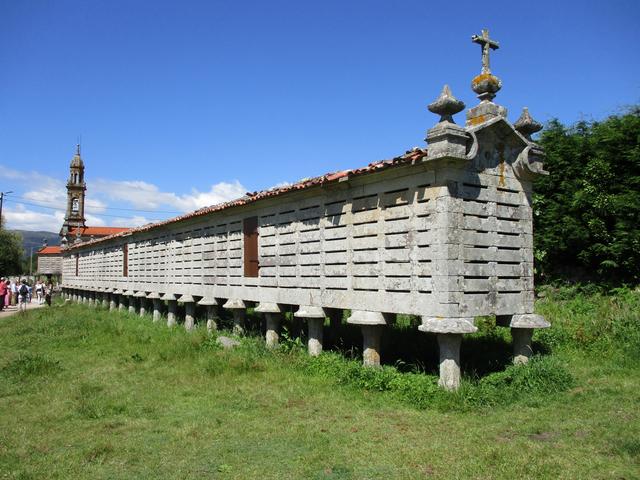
587, 211
10, 253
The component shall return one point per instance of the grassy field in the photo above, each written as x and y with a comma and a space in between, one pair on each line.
93, 394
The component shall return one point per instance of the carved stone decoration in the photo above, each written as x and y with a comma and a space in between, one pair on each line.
446, 105
530, 163
526, 125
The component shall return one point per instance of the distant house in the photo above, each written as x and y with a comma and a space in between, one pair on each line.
49, 261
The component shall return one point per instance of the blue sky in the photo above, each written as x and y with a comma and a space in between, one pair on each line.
186, 103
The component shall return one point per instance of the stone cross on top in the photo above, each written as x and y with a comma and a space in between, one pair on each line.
486, 43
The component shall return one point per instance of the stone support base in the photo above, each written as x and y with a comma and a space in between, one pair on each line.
157, 310
143, 307
189, 316
314, 344
239, 315
272, 336
123, 303
371, 345
521, 344
172, 306
212, 317
371, 324
132, 305
449, 345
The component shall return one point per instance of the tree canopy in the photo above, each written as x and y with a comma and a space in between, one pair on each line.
10, 253
587, 211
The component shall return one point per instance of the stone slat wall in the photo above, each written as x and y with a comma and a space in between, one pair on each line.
408, 240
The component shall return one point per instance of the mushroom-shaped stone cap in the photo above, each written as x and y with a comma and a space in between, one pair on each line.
168, 296
128, 293
446, 105
187, 298
234, 304
486, 86
447, 325
140, 294
208, 301
154, 296
529, 320
264, 307
309, 311
362, 317
526, 125
117, 292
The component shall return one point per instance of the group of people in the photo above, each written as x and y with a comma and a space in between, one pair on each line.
14, 292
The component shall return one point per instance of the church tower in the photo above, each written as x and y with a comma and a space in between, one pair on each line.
75, 195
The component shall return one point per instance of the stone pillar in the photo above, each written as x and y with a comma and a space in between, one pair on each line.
371, 345
371, 324
449, 333
521, 344
113, 300
239, 310
132, 301
123, 301
157, 306
189, 312
273, 316
315, 320
522, 326
91, 298
172, 306
449, 346
211, 305
100, 298
142, 303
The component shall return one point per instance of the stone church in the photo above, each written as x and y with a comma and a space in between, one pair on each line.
74, 229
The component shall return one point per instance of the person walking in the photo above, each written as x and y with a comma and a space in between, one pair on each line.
13, 287
3, 292
48, 292
23, 295
40, 292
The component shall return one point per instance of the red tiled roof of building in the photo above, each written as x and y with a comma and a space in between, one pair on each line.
97, 231
53, 250
408, 158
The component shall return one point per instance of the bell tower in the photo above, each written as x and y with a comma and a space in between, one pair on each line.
75, 195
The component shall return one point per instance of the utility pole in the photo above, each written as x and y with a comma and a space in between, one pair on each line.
2, 194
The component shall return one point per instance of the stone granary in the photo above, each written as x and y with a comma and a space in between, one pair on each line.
444, 233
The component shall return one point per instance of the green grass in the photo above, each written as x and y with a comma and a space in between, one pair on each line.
93, 394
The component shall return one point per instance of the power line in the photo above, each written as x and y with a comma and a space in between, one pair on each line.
111, 208
56, 208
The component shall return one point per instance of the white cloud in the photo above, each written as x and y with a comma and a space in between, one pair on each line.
50, 192
18, 217
146, 196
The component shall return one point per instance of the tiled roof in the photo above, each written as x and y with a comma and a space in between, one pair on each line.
53, 250
409, 157
96, 231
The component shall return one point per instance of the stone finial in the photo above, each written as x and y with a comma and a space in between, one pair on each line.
526, 125
446, 139
486, 85
446, 105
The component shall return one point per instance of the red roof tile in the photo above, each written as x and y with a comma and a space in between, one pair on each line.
409, 157
53, 250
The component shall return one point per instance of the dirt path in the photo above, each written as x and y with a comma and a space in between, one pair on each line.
12, 310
